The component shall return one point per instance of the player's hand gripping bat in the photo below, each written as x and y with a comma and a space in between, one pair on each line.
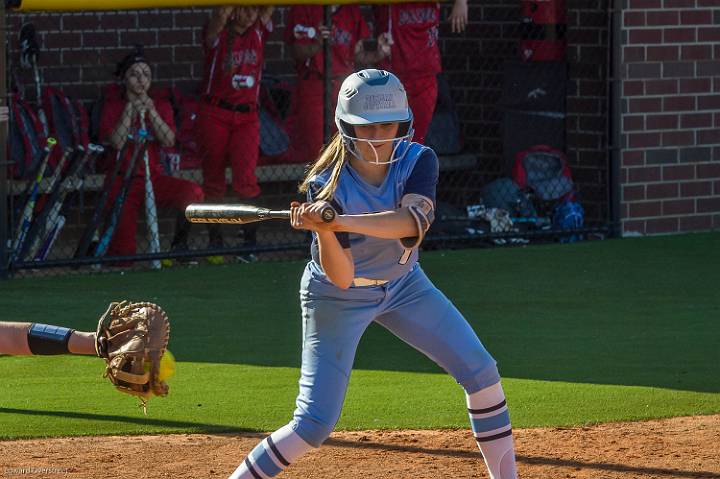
241, 214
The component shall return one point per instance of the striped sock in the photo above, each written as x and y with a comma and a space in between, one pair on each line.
272, 455
492, 430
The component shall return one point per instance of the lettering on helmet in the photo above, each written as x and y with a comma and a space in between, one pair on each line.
383, 101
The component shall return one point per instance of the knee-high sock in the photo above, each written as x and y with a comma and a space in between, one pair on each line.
272, 455
491, 426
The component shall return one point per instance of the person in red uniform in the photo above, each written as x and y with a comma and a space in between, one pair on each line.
306, 33
228, 128
411, 29
121, 116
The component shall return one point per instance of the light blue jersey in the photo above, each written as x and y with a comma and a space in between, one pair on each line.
378, 258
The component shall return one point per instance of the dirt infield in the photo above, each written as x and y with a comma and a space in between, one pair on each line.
676, 448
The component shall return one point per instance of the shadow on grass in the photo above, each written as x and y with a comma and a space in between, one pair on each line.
188, 426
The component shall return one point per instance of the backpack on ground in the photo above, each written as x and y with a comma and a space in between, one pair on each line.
505, 194
544, 171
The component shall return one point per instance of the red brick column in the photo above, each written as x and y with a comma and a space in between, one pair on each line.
670, 171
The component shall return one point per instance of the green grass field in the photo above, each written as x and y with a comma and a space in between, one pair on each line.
583, 333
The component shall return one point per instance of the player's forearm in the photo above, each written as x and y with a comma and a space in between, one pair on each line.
215, 26
393, 224
82, 342
14, 340
163, 132
266, 14
119, 135
335, 261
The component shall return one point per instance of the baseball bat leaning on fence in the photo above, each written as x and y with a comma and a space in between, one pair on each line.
241, 214
91, 229
54, 183
27, 212
150, 207
55, 220
104, 242
29, 52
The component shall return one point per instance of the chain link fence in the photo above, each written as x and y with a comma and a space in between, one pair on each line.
120, 119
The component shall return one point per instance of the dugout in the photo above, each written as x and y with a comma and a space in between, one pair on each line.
78, 42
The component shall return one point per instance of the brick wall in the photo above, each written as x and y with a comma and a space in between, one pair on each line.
80, 51
670, 170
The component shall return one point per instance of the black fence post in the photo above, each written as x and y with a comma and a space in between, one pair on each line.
327, 75
615, 146
3, 151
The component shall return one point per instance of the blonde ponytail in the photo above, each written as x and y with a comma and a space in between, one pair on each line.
334, 152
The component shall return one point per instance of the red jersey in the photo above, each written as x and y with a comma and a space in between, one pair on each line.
348, 28
414, 31
233, 71
111, 113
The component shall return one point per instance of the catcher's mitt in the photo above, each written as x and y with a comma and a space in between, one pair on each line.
132, 338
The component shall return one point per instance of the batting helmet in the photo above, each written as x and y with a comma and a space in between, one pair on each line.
373, 96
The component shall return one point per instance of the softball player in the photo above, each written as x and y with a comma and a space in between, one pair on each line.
412, 29
305, 32
122, 116
364, 268
228, 128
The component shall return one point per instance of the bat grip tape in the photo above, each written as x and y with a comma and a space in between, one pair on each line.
46, 339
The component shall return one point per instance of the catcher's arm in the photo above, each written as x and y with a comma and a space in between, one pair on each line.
43, 339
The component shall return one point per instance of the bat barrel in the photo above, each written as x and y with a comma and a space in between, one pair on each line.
230, 214
239, 214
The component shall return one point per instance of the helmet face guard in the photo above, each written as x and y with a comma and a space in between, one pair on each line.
370, 97
350, 139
